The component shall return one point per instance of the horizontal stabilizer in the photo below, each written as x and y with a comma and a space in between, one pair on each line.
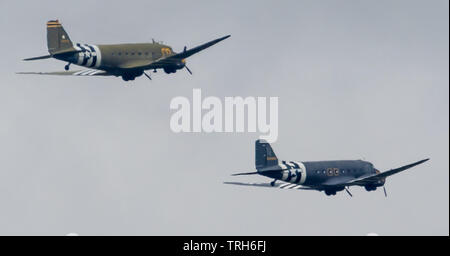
87, 72
66, 52
281, 185
63, 52
39, 58
244, 173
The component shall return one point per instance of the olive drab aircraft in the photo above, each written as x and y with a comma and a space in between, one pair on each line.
327, 176
125, 60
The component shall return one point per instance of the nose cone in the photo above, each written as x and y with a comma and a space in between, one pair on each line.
181, 64
382, 180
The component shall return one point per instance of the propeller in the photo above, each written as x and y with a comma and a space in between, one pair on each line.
184, 50
384, 189
148, 76
190, 72
348, 191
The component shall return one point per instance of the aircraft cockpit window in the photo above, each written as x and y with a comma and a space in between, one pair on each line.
269, 152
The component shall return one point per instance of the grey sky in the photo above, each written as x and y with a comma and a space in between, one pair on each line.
355, 79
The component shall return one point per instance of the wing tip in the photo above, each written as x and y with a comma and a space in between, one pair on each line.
225, 37
424, 160
222, 38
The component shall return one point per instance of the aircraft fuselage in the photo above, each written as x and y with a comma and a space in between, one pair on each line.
318, 174
112, 57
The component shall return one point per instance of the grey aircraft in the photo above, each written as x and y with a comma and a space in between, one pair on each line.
125, 60
327, 176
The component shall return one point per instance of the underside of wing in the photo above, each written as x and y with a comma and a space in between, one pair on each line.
136, 64
146, 64
87, 72
282, 185
336, 182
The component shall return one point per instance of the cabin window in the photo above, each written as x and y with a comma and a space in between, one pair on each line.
112, 54
132, 53
146, 53
126, 53
330, 171
119, 53
140, 53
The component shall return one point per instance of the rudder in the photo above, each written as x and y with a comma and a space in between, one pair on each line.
57, 38
264, 155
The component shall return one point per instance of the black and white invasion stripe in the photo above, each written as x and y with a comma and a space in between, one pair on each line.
294, 172
89, 55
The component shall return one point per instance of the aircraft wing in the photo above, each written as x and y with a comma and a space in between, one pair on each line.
282, 185
86, 72
172, 58
190, 52
379, 176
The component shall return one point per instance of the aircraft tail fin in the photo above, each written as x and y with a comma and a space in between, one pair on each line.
57, 38
264, 155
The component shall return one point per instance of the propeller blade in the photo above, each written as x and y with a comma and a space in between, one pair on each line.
147, 76
188, 70
346, 189
384, 189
